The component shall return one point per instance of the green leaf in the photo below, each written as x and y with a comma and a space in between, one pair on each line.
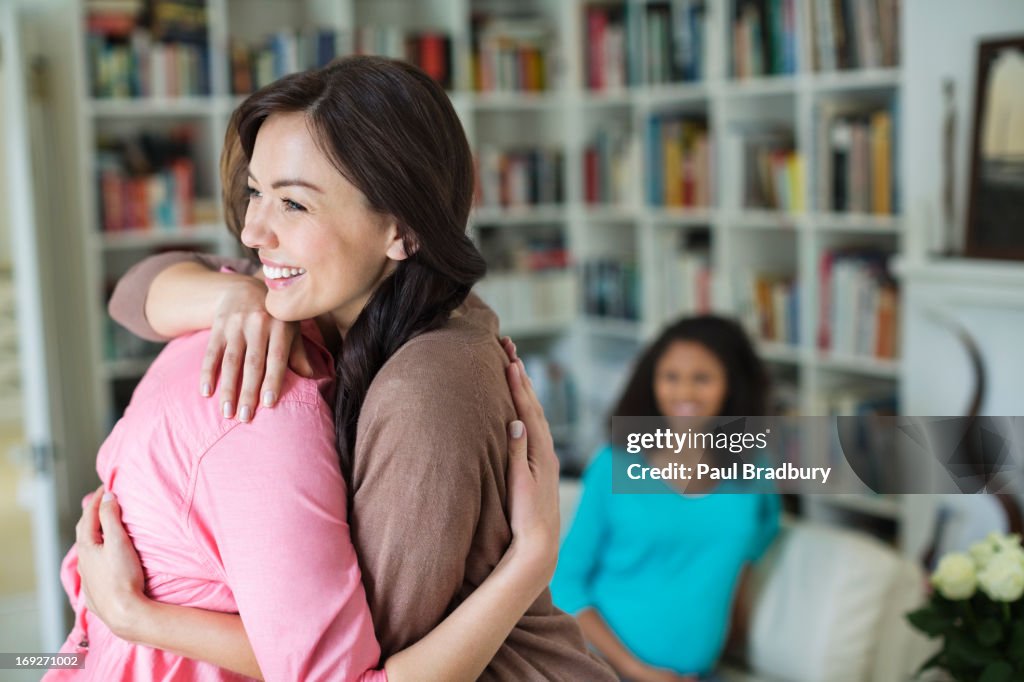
968, 650
1016, 648
998, 671
929, 622
989, 632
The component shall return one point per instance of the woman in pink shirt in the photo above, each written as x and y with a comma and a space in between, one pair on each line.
250, 518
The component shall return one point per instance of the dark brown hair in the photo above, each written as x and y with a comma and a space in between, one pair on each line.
392, 132
746, 378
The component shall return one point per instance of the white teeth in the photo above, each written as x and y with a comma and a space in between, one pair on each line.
281, 273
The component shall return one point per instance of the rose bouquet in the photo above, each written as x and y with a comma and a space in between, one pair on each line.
977, 609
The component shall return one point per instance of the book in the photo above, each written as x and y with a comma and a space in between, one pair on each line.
856, 150
858, 303
680, 158
854, 34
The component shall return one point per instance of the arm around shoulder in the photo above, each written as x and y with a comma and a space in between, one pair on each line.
131, 305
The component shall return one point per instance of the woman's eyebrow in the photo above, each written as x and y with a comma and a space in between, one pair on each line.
291, 182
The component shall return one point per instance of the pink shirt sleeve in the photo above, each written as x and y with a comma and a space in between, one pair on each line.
269, 507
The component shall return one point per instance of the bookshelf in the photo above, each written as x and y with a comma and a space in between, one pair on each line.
569, 89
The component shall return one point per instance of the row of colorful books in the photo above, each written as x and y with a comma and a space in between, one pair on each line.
608, 167
519, 177
857, 159
611, 288
855, 34
531, 249
143, 68
157, 50
284, 52
770, 306
512, 54
163, 199
147, 180
429, 50
859, 304
673, 39
773, 176
287, 51
679, 162
764, 38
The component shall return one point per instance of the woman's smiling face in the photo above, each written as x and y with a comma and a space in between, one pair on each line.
324, 250
689, 381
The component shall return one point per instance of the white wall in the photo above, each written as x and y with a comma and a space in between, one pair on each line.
941, 38
5, 227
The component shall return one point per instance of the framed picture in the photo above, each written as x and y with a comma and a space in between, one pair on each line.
995, 215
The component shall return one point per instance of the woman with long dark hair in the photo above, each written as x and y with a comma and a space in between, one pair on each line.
652, 578
359, 182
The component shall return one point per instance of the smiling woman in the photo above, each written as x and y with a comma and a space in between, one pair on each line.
306, 216
354, 183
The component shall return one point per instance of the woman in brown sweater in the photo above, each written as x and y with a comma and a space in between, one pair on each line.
359, 184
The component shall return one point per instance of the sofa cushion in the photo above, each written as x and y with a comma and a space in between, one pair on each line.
818, 604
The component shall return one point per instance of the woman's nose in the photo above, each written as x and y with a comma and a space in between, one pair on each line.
257, 233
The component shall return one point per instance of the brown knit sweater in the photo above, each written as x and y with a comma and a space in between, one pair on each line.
428, 487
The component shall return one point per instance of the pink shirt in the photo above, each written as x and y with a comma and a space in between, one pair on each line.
240, 518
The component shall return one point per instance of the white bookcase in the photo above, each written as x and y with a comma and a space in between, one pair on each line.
596, 351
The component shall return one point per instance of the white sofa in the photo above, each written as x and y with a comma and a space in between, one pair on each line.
828, 605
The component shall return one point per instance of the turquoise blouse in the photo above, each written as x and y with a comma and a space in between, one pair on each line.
661, 569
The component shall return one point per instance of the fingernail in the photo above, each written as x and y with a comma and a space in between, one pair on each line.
515, 369
516, 429
268, 398
108, 496
226, 409
244, 413
206, 390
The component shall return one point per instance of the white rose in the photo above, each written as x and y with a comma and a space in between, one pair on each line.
982, 552
955, 577
1009, 544
1003, 578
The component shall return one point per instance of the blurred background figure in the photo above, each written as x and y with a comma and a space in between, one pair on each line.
655, 580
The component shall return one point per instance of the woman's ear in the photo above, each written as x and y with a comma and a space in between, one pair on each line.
397, 248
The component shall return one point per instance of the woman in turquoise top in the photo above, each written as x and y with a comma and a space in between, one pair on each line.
653, 578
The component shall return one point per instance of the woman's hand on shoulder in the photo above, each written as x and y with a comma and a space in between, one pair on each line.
532, 475
111, 574
250, 350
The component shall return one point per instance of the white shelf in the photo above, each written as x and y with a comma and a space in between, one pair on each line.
776, 351
676, 93
858, 223
756, 219
866, 79
609, 327
512, 101
876, 367
519, 215
157, 107
159, 236
761, 86
682, 217
609, 214
965, 271
608, 98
